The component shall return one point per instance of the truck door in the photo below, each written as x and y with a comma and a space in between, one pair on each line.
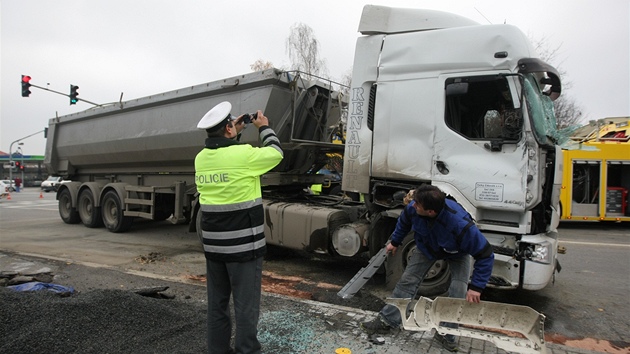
480, 153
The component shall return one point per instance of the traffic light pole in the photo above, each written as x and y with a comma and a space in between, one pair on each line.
63, 94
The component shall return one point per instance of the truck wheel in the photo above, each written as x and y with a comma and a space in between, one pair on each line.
89, 213
68, 214
112, 212
438, 277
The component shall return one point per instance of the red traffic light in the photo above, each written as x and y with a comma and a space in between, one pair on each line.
26, 85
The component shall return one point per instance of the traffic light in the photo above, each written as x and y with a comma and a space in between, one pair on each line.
74, 94
12, 164
26, 85
18, 165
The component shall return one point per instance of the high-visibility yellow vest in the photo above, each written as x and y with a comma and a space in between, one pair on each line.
227, 175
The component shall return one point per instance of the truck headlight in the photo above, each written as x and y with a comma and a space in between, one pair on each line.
538, 252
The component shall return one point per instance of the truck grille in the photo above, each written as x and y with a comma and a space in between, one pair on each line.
498, 281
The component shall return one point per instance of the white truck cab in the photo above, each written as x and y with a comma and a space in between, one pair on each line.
439, 99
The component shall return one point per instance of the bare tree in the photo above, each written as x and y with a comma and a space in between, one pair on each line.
568, 112
303, 50
346, 81
261, 65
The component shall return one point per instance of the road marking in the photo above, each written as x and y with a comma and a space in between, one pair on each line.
595, 243
43, 207
48, 205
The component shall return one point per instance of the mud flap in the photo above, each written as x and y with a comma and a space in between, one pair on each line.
512, 328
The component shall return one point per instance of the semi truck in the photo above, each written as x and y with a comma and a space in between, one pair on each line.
435, 98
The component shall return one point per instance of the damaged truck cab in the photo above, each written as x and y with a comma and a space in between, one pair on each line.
437, 98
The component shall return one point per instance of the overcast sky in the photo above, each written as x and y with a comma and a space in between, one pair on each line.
143, 47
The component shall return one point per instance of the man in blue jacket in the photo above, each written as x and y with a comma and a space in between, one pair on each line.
443, 230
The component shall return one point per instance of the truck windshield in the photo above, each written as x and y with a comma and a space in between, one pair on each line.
540, 108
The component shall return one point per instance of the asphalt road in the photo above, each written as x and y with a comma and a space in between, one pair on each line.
588, 300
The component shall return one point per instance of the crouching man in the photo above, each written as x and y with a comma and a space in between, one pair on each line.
443, 230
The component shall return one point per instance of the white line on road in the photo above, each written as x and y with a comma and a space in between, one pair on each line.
595, 243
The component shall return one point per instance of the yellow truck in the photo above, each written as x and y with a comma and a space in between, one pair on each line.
596, 178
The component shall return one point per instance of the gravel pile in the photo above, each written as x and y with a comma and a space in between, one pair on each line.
106, 315
99, 321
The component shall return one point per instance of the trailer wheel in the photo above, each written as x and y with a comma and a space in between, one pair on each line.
88, 211
438, 277
68, 214
113, 213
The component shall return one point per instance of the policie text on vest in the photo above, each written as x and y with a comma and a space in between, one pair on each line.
213, 178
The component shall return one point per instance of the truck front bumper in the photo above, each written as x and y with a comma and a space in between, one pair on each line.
490, 321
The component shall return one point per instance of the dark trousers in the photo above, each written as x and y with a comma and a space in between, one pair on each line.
242, 280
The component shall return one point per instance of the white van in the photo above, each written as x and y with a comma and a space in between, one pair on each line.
52, 183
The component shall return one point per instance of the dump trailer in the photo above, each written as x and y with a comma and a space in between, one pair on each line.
435, 98
136, 159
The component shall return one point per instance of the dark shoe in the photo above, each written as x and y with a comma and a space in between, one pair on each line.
375, 326
449, 345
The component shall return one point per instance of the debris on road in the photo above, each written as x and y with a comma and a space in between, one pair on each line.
151, 258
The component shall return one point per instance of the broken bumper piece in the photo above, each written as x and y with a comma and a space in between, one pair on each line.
512, 328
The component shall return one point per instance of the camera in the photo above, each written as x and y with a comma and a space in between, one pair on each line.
247, 118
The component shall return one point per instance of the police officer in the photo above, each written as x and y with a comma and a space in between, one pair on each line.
227, 175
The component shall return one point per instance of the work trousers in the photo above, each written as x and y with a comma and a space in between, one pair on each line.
414, 274
242, 280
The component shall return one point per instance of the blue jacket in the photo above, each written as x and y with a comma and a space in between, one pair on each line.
451, 234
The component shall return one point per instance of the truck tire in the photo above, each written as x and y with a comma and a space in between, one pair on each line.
112, 212
88, 211
68, 214
438, 277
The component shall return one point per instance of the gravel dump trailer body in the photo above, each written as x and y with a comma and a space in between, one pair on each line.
136, 158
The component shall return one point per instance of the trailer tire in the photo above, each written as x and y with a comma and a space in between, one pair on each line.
68, 214
112, 212
89, 213
436, 282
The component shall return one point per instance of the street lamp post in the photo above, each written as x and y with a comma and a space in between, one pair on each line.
22, 165
11, 159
